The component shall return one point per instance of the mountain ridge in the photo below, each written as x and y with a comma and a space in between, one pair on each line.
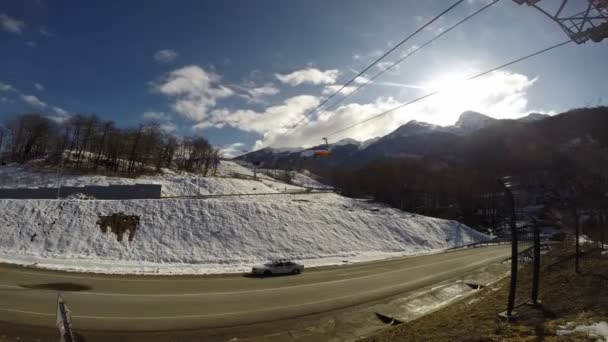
414, 139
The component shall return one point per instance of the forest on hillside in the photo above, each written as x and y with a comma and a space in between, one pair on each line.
88, 144
561, 161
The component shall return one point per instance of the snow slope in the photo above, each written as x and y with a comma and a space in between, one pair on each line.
305, 179
217, 235
194, 236
173, 183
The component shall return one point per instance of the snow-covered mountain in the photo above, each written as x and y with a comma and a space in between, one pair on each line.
348, 141
412, 128
533, 117
414, 138
470, 121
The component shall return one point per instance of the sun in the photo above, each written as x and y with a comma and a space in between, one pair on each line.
448, 82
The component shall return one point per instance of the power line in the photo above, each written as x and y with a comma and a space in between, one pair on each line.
371, 65
438, 91
411, 53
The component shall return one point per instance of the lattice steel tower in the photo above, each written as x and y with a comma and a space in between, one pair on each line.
581, 20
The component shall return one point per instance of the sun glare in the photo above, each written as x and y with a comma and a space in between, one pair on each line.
500, 94
447, 82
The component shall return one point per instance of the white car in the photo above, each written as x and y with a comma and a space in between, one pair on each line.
281, 266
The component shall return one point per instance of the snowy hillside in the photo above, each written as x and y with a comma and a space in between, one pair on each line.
173, 183
227, 234
219, 235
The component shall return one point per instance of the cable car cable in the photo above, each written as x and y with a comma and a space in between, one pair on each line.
372, 64
411, 53
438, 91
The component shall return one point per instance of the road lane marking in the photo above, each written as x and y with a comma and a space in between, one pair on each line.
257, 290
233, 312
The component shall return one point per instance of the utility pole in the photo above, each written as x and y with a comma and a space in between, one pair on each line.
577, 232
602, 228
510, 203
536, 269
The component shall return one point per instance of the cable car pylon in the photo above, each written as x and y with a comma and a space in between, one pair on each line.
588, 22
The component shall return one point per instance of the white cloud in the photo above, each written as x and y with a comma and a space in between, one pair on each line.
6, 87
400, 85
33, 101
31, 43
255, 93
386, 65
156, 116
162, 118
194, 91
168, 127
60, 111
165, 56
273, 121
11, 24
310, 76
61, 115
501, 94
325, 123
232, 150
376, 53
361, 80
330, 89
267, 89
46, 32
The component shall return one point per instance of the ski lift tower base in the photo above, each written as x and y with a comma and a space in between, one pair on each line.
505, 317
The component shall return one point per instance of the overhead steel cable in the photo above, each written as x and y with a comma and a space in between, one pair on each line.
372, 65
413, 51
438, 91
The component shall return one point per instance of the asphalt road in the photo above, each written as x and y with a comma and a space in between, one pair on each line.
146, 303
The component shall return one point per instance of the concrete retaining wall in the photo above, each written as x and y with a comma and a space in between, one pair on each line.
111, 192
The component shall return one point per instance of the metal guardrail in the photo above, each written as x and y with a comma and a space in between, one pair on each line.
495, 243
251, 194
481, 244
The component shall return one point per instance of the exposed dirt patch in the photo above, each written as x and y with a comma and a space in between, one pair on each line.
119, 224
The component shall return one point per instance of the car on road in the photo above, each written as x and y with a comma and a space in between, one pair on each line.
275, 267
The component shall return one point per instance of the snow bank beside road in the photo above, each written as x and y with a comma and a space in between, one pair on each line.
217, 235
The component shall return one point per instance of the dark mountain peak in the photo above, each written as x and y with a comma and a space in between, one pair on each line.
346, 141
533, 117
472, 121
413, 127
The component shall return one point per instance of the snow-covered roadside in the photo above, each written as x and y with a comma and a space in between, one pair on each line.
150, 268
193, 236
595, 330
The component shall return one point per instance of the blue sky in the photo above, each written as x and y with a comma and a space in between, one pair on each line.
242, 72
